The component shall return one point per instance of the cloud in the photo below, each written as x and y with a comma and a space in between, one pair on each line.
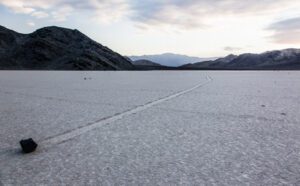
191, 14
17, 6
182, 14
39, 14
288, 24
106, 11
34, 8
60, 10
286, 31
232, 49
62, 13
159, 13
30, 23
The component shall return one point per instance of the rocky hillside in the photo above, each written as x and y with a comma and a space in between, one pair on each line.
278, 59
55, 48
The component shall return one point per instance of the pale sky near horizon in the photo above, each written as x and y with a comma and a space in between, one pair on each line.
202, 28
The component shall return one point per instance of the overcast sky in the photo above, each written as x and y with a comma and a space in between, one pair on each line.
204, 28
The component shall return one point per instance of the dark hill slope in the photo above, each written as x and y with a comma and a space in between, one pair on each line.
55, 48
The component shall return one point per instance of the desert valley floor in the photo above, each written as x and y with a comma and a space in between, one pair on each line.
151, 128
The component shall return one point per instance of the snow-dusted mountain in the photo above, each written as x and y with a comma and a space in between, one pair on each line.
277, 59
170, 59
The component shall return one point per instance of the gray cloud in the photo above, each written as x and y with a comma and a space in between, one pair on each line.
286, 31
184, 14
193, 13
60, 10
289, 24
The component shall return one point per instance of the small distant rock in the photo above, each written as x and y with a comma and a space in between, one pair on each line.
28, 145
263, 106
283, 114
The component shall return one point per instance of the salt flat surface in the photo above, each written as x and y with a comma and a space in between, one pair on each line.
151, 128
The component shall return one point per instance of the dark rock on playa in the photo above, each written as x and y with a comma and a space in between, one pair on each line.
28, 145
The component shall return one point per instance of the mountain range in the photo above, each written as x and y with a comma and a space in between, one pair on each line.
288, 59
144, 62
170, 59
56, 48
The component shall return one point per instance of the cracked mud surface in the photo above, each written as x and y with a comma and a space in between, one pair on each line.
151, 128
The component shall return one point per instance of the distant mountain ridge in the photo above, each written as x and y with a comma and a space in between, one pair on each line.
56, 48
277, 59
170, 59
144, 62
